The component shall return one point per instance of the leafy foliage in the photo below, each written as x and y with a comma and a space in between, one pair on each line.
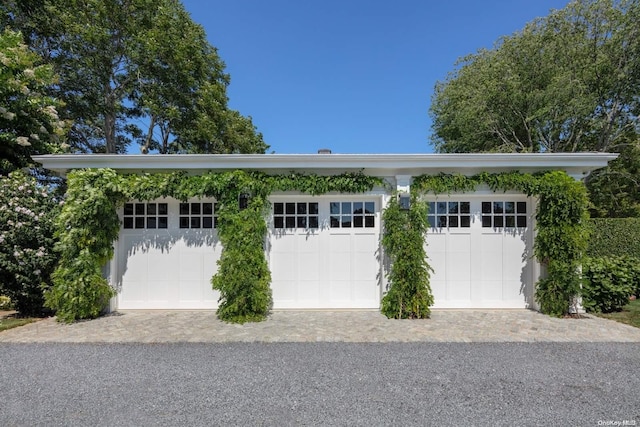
121, 63
86, 229
409, 294
562, 237
5, 303
614, 191
609, 281
27, 213
243, 277
89, 224
29, 122
562, 229
612, 271
567, 82
614, 237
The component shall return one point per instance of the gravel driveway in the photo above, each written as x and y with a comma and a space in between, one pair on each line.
278, 384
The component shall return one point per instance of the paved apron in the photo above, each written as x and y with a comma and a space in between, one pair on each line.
163, 326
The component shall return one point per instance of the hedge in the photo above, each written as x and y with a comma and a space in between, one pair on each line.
614, 237
611, 273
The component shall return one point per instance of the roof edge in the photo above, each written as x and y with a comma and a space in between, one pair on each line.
379, 164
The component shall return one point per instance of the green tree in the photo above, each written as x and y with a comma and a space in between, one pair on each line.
614, 191
565, 83
29, 122
130, 71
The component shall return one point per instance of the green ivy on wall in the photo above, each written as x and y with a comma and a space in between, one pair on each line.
409, 295
86, 229
89, 224
561, 225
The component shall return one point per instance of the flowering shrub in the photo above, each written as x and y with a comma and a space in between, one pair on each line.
27, 211
29, 122
5, 303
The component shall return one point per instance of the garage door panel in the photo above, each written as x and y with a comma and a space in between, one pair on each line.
281, 267
490, 258
459, 267
283, 243
458, 260
340, 243
137, 269
284, 292
311, 261
478, 262
210, 265
159, 291
309, 293
340, 290
135, 292
332, 266
365, 266
163, 266
511, 290
191, 267
439, 289
491, 290
512, 265
307, 244
459, 290
167, 268
340, 266
196, 294
491, 266
190, 290
363, 291
437, 257
364, 242
211, 299
459, 243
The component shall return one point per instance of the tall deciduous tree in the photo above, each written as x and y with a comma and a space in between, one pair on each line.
567, 82
130, 70
29, 122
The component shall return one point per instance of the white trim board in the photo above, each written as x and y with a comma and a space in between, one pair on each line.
575, 164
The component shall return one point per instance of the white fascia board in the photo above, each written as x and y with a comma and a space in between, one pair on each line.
576, 164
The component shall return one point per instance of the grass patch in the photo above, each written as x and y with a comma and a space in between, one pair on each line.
630, 314
14, 322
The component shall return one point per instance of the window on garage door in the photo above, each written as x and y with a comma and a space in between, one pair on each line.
451, 214
145, 215
504, 214
198, 215
352, 214
295, 215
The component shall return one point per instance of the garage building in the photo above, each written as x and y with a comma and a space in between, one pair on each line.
324, 252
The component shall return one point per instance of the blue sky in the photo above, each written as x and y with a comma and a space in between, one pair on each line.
355, 76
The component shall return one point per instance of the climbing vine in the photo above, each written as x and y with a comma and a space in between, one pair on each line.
89, 225
561, 221
86, 229
409, 295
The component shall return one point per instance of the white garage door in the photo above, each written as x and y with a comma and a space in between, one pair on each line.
480, 250
167, 254
324, 252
